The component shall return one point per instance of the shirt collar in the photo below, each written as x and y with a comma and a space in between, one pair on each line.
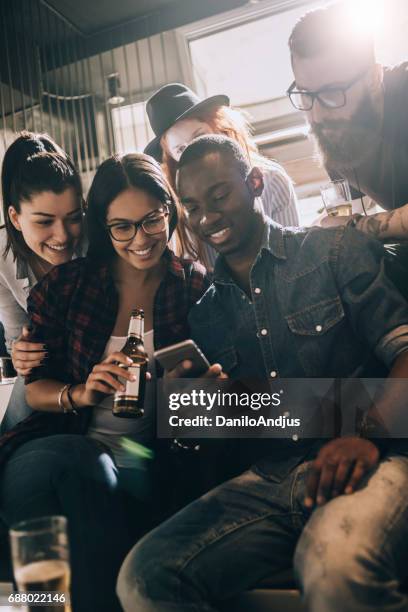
272, 242
174, 264
394, 85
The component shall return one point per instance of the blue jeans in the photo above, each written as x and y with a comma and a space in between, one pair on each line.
73, 476
350, 554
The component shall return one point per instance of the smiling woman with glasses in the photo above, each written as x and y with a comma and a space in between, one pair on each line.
81, 310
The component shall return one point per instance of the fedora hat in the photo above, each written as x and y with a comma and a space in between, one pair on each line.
171, 103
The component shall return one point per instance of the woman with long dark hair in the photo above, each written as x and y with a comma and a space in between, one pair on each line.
43, 219
81, 311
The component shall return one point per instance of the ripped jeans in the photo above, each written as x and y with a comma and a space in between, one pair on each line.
350, 554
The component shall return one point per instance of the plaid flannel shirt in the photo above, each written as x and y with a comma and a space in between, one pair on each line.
73, 311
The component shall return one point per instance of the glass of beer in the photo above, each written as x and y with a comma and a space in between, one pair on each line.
40, 555
337, 198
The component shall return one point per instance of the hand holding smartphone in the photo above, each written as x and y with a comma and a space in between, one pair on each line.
170, 356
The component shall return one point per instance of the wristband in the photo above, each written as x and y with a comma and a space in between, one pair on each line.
60, 404
74, 407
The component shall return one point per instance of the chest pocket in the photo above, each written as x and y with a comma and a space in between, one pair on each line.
317, 332
316, 320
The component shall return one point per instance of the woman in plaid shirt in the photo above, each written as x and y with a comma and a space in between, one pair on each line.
67, 457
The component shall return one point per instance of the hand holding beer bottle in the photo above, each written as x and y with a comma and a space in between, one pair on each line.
123, 373
104, 379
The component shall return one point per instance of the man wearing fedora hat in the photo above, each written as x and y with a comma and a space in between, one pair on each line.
177, 116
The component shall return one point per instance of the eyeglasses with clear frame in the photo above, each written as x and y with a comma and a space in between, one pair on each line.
329, 97
155, 223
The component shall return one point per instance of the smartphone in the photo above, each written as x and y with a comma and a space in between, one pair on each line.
170, 356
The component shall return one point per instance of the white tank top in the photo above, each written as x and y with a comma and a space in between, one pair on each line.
109, 429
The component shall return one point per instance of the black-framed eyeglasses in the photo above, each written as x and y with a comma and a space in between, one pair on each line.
329, 97
122, 231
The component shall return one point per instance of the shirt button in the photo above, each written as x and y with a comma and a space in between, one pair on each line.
257, 290
318, 328
264, 332
274, 374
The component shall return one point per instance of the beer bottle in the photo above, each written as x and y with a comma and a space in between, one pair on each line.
129, 403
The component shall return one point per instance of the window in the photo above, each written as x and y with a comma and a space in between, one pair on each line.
249, 62
131, 128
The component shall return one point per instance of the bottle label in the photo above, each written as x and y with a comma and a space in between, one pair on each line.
136, 327
131, 386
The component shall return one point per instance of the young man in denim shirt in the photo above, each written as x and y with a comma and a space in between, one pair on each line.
286, 303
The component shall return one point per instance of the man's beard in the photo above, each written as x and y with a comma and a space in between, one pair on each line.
350, 142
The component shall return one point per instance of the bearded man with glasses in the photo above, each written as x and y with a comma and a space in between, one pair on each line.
358, 111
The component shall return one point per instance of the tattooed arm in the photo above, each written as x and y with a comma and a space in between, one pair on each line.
387, 225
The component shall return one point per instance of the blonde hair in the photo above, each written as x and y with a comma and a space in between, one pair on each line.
223, 120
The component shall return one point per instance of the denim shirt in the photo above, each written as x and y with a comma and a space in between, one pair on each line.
321, 306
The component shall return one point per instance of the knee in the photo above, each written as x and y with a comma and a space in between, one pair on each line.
88, 464
131, 580
145, 575
65, 457
329, 568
